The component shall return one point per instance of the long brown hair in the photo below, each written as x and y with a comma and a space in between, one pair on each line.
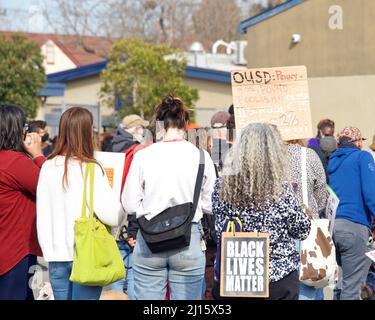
75, 138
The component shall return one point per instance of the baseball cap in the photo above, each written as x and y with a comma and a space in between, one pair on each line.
134, 120
219, 119
351, 132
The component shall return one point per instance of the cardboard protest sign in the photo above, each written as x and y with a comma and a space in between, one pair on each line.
244, 265
113, 165
279, 96
332, 205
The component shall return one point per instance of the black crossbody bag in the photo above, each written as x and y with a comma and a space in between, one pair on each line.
171, 229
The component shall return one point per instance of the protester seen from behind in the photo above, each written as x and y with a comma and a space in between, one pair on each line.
21, 158
164, 176
255, 188
59, 201
352, 177
317, 193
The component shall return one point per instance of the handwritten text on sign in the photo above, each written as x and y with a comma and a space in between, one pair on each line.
278, 96
244, 265
113, 165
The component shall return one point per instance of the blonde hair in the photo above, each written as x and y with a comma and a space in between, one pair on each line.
255, 168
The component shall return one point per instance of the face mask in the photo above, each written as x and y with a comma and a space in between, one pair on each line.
328, 144
45, 137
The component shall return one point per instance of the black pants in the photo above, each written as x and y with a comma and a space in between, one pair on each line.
285, 289
14, 285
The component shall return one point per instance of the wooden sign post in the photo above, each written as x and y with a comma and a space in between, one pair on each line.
279, 96
244, 265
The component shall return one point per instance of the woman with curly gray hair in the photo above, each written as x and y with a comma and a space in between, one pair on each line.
254, 187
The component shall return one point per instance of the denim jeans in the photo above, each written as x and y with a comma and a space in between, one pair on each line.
184, 269
125, 285
63, 289
351, 242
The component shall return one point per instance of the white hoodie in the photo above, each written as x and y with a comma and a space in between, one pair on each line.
58, 209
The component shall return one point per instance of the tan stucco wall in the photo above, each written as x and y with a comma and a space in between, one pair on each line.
324, 51
349, 101
213, 97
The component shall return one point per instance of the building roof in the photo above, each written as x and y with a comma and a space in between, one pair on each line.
244, 25
72, 47
96, 68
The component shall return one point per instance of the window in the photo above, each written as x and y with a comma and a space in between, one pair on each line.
50, 52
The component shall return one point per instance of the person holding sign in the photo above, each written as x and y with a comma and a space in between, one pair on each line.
254, 190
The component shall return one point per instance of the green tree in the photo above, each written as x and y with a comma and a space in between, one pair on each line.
22, 74
139, 74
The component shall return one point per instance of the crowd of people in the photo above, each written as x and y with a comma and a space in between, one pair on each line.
250, 175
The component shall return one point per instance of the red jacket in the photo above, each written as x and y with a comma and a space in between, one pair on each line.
18, 183
129, 154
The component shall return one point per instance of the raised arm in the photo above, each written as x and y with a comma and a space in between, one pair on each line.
24, 174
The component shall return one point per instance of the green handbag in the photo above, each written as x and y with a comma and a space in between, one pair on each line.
97, 259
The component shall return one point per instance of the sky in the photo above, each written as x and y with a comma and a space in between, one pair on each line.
22, 15
27, 15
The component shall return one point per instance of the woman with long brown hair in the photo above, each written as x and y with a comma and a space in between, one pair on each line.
59, 201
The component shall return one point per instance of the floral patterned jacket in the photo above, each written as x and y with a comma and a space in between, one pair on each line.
284, 221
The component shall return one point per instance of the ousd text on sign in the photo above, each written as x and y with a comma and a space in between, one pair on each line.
245, 263
278, 96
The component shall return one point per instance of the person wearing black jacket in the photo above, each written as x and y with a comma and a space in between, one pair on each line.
128, 135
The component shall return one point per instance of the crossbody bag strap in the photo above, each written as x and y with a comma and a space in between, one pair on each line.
199, 181
84, 197
91, 202
304, 176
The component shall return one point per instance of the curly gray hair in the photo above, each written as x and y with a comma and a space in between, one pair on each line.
256, 167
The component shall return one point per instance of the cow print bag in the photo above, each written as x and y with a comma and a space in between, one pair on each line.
318, 266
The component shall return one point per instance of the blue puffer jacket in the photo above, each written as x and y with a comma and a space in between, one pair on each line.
352, 177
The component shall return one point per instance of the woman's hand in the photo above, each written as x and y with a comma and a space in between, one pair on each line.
32, 145
132, 241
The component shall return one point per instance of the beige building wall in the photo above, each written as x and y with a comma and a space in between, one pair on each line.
61, 60
346, 100
325, 51
213, 97
349, 101
83, 91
